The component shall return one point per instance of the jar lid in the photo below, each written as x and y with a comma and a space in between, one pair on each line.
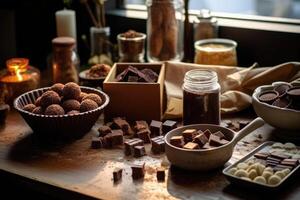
63, 41
205, 15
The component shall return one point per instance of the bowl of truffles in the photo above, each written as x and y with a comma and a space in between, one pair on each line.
278, 104
61, 111
94, 76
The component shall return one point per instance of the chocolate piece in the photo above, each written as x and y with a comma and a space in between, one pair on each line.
160, 174
116, 137
168, 125
200, 139
282, 103
104, 130
96, 143
139, 151
4, 108
219, 134
282, 88
191, 145
138, 171
268, 96
133, 79
117, 174
207, 133
281, 167
29, 107
177, 141
87, 105
130, 144
242, 124
150, 75
155, 128
207, 146
140, 125
290, 162
158, 144
280, 156
214, 140
119, 123
261, 155
189, 134
144, 135
273, 159
223, 142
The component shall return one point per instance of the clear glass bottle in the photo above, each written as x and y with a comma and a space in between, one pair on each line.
165, 30
205, 26
64, 60
201, 97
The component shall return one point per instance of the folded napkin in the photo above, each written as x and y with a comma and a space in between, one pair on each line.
237, 83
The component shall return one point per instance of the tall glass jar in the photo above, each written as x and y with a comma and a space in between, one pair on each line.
205, 26
201, 97
165, 30
64, 61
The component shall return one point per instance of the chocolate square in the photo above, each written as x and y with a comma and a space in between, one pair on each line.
220, 135
120, 123
160, 174
138, 171
104, 130
155, 128
168, 125
200, 139
144, 135
207, 133
117, 137
140, 125
158, 144
130, 144
139, 151
117, 174
96, 143
214, 140
191, 145
177, 141
189, 134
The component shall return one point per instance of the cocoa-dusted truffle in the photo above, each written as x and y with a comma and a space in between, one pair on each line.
38, 101
58, 88
29, 107
87, 105
71, 104
48, 98
82, 95
93, 97
54, 109
71, 91
73, 112
38, 110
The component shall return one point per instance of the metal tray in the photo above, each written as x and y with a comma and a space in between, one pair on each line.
250, 184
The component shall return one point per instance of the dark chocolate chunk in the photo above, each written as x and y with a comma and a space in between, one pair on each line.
116, 137
201, 140
268, 96
104, 130
140, 125
120, 123
144, 135
168, 125
281, 167
242, 124
138, 171
207, 133
214, 140
261, 155
139, 151
191, 145
117, 174
177, 141
220, 134
133, 79
150, 75
155, 128
130, 144
189, 134
160, 174
96, 143
158, 144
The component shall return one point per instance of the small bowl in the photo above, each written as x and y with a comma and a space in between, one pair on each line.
59, 126
283, 118
94, 82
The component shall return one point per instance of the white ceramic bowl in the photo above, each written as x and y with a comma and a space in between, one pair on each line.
282, 118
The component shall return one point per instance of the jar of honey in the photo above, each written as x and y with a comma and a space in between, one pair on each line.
201, 97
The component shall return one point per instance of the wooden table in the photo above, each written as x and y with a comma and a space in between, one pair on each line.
75, 171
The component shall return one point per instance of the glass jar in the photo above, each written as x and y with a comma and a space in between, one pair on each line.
131, 47
165, 30
64, 60
17, 78
216, 52
205, 26
201, 97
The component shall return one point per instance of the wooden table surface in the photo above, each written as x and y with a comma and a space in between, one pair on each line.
75, 171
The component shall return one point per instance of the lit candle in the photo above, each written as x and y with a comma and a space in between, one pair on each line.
66, 23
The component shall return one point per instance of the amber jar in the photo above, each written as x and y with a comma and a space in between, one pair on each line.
64, 60
201, 97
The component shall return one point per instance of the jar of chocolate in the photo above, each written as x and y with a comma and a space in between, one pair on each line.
201, 97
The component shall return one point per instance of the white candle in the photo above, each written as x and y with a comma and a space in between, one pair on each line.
66, 23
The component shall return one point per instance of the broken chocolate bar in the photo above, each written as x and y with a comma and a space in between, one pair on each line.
160, 174
104, 130
155, 128
189, 134
177, 141
130, 144
200, 139
191, 145
168, 125
158, 144
117, 174
139, 151
138, 171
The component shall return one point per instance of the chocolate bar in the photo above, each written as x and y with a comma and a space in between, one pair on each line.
177, 141
191, 145
158, 144
261, 155
144, 135
160, 174
155, 128
138, 171
280, 156
139, 151
104, 130
200, 139
168, 125
117, 174
189, 134
130, 144
290, 162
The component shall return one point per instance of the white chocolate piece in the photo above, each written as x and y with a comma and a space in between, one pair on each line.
232, 170
269, 169
253, 166
274, 180
260, 169
280, 174
241, 173
267, 175
289, 145
277, 145
252, 174
242, 166
250, 162
260, 179
286, 171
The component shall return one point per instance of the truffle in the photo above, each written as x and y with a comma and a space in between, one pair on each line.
87, 105
58, 88
71, 91
38, 101
29, 107
54, 109
82, 95
71, 104
73, 112
38, 110
93, 97
48, 98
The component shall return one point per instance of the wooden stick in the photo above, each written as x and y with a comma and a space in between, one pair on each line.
88, 8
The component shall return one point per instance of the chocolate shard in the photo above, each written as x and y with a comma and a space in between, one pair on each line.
158, 144
139, 151
168, 125
155, 128
160, 174
150, 75
207, 133
138, 171
200, 139
117, 174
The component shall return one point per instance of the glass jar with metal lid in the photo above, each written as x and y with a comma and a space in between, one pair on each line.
205, 26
